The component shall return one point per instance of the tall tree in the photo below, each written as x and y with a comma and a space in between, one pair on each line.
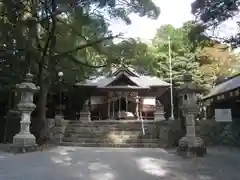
191, 52
53, 35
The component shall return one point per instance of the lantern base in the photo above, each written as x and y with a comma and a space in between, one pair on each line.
25, 149
23, 143
188, 149
85, 116
159, 116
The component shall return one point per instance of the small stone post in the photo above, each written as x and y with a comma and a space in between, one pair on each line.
24, 141
190, 144
85, 115
159, 113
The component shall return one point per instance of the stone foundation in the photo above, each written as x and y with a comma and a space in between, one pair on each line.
25, 149
57, 128
85, 116
197, 147
159, 116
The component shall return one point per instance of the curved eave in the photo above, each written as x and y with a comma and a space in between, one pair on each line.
125, 88
85, 85
228, 86
160, 86
187, 90
231, 93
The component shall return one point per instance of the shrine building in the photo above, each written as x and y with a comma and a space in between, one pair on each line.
225, 95
125, 94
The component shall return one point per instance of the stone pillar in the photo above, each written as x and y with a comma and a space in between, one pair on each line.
137, 106
24, 141
57, 128
85, 115
159, 113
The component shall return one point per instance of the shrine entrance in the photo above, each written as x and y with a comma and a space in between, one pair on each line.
123, 104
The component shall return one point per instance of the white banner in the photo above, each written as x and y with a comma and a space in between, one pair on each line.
223, 115
97, 100
149, 101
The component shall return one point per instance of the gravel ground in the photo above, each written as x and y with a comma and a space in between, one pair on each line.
76, 163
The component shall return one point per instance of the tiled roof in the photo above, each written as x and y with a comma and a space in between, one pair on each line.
226, 86
141, 81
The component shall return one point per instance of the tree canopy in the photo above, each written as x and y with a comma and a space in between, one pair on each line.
210, 14
49, 36
196, 54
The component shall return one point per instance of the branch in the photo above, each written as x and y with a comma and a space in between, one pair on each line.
85, 64
49, 38
83, 46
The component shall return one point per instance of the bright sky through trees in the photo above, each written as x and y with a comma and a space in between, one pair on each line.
174, 12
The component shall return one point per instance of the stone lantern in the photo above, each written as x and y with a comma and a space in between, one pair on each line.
190, 143
24, 141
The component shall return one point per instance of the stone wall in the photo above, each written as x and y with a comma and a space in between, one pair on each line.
57, 128
219, 133
12, 126
169, 133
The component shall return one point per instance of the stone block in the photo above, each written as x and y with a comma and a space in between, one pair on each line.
159, 116
85, 116
191, 131
57, 138
51, 123
58, 130
23, 149
24, 140
59, 121
190, 122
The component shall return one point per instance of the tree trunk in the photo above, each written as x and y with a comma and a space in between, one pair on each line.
42, 128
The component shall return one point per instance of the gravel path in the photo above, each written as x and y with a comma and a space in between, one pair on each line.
75, 163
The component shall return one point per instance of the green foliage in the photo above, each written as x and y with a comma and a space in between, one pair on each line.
211, 13
55, 35
62, 35
214, 12
191, 53
183, 52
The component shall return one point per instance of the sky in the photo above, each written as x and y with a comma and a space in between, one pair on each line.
174, 12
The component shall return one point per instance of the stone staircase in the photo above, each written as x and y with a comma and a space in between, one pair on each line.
111, 134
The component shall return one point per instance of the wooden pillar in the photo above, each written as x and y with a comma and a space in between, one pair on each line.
126, 98
113, 109
137, 107
108, 108
119, 104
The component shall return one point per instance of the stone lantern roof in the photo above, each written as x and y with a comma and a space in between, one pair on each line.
28, 84
189, 86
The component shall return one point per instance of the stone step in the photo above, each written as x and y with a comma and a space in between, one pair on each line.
73, 127
105, 124
110, 134
104, 135
109, 127
109, 140
123, 145
112, 122
100, 131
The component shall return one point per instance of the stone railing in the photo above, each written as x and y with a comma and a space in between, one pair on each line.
57, 128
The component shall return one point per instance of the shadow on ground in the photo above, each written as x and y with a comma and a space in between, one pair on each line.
71, 163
